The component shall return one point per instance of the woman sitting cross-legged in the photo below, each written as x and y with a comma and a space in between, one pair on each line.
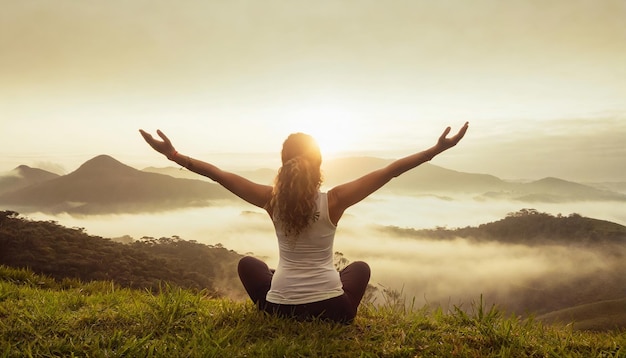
305, 284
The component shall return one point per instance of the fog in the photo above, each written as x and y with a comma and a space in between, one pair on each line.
427, 271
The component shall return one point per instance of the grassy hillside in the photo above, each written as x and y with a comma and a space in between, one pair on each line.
592, 316
42, 317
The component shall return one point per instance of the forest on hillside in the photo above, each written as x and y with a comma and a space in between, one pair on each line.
48, 248
532, 227
571, 282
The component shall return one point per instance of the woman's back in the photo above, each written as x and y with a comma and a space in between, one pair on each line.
306, 271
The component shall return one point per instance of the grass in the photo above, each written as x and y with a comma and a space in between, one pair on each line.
43, 318
591, 316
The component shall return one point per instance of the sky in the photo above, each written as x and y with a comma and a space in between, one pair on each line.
542, 83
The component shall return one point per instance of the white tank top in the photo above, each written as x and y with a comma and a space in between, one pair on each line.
306, 272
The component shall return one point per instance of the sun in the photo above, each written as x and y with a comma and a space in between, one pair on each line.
333, 128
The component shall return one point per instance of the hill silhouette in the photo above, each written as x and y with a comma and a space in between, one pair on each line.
105, 185
262, 176
46, 247
551, 293
433, 179
555, 190
618, 187
23, 176
597, 316
533, 228
426, 178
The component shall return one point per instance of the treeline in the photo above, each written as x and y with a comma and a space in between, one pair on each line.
529, 226
600, 280
45, 247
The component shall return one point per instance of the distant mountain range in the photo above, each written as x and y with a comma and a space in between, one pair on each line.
22, 177
432, 179
105, 185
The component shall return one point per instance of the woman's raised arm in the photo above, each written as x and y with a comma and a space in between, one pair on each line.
345, 195
247, 190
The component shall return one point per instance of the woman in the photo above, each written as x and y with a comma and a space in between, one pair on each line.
305, 284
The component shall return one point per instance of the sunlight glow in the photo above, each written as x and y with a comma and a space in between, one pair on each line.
333, 127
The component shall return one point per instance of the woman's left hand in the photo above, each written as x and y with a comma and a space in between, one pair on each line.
446, 143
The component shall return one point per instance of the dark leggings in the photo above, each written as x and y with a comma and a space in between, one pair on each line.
256, 278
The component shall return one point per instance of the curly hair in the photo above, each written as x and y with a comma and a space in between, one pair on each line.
296, 184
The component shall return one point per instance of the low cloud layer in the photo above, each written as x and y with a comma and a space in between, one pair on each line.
459, 271
445, 272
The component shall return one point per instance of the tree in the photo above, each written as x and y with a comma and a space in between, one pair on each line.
340, 261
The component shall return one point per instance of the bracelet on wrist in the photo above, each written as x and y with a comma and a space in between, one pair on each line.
187, 162
173, 155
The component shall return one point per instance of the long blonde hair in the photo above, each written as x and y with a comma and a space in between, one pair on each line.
293, 201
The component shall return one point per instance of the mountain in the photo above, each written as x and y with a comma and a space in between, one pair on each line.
104, 185
263, 175
22, 177
555, 190
533, 228
426, 179
432, 179
175, 173
618, 187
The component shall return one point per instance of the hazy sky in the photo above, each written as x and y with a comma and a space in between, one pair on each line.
543, 83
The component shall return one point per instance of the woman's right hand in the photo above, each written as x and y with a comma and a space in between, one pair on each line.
164, 147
